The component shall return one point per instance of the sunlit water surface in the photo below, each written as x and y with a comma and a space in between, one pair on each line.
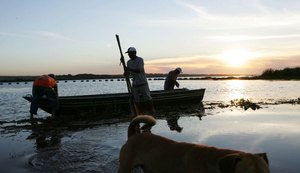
274, 129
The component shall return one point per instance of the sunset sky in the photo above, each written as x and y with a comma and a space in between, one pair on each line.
200, 36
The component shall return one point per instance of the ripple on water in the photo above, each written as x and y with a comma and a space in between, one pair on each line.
85, 151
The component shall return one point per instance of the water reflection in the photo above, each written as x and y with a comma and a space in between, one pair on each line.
95, 146
235, 88
172, 121
173, 116
45, 134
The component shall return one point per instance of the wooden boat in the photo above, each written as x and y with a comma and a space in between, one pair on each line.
112, 105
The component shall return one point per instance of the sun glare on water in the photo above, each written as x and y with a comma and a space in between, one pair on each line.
237, 57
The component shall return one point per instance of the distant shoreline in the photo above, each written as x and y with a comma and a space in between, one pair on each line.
117, 76
5, 79
268, 74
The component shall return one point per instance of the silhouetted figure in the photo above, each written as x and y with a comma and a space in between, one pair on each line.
171, 79
44, 85
140, 88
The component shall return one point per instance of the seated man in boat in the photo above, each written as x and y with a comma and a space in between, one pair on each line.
171, 79
140, 88
44, 85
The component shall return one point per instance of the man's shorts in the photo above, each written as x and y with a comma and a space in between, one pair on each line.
141, 93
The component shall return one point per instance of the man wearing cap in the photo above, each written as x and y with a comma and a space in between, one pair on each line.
44, 85
140, 88
171, 79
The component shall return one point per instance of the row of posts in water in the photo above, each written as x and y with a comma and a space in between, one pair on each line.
96, 80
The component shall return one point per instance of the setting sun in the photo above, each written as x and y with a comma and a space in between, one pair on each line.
236, 57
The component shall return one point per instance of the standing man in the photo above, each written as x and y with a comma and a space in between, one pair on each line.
140, 88
44, 85
171, 79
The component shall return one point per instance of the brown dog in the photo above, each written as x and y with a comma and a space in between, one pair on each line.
156, 154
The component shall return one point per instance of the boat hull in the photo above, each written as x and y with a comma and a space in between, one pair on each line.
113, 105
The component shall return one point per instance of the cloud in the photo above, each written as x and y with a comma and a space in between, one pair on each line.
46, 34
258, 17
5, 33
191, 64
180, 60
211, 64
53, 35
11, 34
278, 61
199, 10
250, 37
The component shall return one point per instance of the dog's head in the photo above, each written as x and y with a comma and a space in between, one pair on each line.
244, 163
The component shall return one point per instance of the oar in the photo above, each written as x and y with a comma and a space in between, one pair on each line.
129, 87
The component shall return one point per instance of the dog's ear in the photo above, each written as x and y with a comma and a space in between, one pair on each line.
264, 156
228, 163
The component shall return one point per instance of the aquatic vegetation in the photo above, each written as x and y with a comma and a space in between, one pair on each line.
289, 101
246, 104
242, 103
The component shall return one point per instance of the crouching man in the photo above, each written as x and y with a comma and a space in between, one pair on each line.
44, 85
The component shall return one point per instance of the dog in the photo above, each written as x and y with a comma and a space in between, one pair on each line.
157, 154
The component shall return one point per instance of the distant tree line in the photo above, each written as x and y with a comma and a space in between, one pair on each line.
286, 73
83, 76
71, 77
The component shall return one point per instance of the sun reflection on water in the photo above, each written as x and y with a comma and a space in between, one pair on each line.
236, 88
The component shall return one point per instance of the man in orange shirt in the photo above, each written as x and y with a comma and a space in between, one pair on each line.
44, 85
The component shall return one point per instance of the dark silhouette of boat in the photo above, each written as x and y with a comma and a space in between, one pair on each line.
113, 105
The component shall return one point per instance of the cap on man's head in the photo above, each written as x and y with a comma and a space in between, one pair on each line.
131, 49
179, 69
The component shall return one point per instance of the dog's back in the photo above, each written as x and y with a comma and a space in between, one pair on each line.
154, 153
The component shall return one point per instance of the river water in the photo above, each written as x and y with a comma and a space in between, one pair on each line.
82, 147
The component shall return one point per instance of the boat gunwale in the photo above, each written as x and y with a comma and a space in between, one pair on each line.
160, 97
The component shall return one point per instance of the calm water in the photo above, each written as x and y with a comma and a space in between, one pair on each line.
274, 129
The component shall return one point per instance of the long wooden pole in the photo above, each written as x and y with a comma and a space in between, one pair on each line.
129, 87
